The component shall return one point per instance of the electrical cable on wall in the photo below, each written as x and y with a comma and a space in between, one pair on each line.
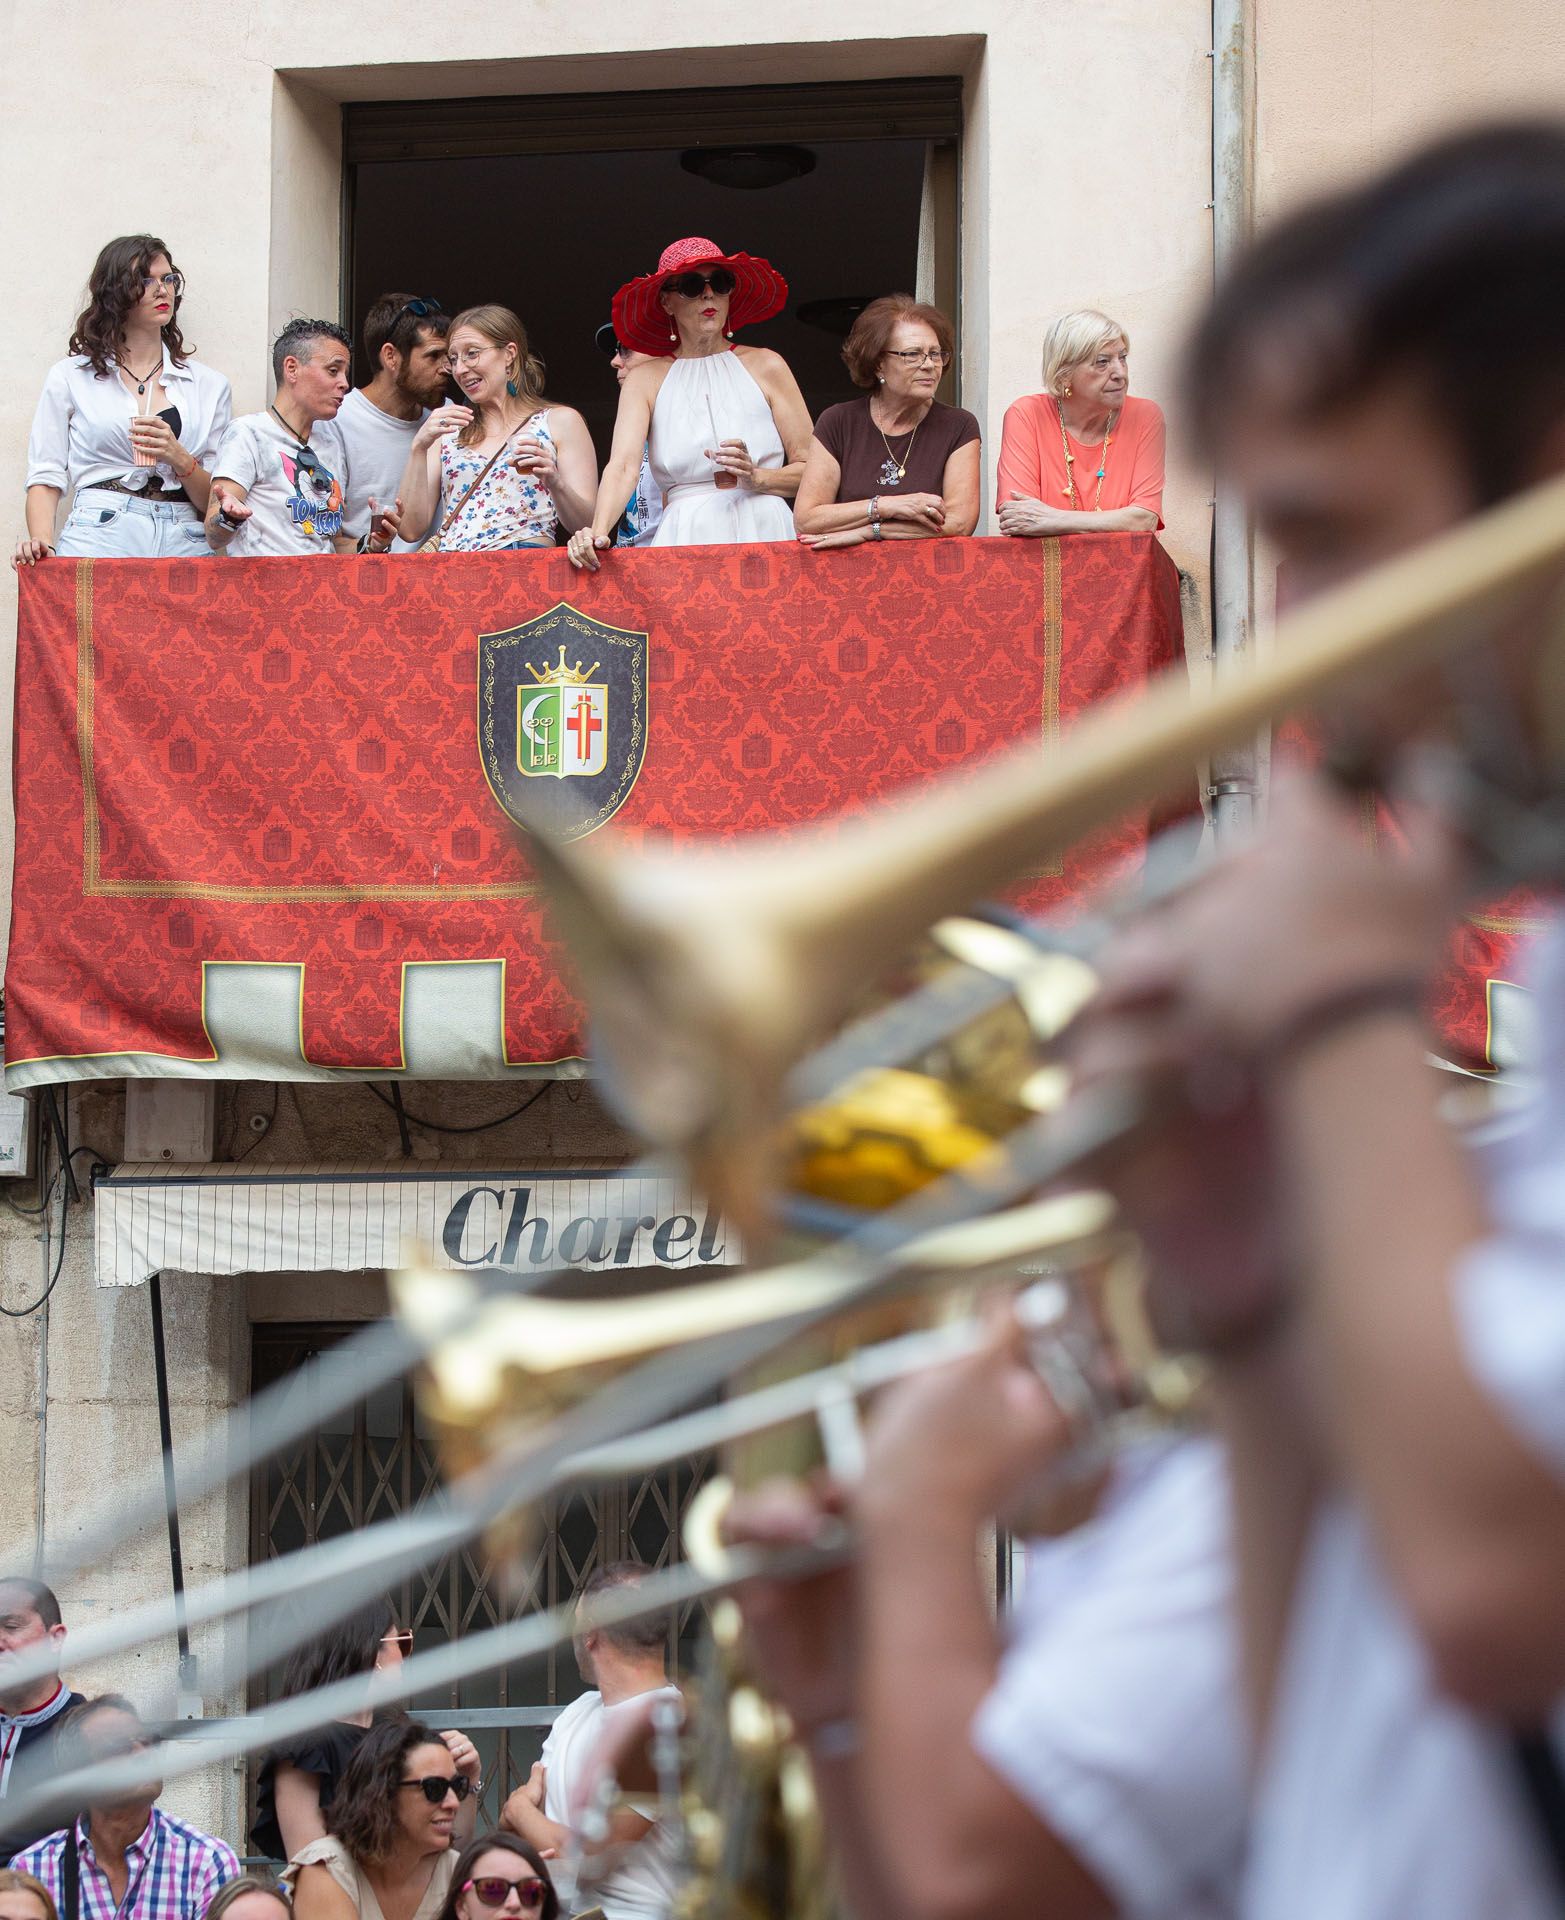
479, 1126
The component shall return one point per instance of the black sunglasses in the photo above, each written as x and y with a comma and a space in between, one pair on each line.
435, 1786
692, 285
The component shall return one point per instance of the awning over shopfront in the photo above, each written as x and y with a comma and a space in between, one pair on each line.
227, 1219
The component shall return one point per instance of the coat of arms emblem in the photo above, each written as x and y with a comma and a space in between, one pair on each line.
562, 738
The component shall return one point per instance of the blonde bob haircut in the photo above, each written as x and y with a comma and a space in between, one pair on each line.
501, 328
1075, 337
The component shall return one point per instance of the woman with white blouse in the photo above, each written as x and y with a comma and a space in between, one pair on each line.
128, 422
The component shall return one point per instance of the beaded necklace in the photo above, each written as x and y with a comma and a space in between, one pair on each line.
1070, 461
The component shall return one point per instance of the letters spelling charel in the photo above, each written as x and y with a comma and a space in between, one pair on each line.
485, 1225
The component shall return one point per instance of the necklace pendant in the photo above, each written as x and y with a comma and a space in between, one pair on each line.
890, 472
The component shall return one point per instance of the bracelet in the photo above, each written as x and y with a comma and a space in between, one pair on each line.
1398, 993
365, 547
877, 531
874, 510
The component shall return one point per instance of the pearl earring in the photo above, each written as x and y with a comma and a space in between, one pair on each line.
728, 333
674, 336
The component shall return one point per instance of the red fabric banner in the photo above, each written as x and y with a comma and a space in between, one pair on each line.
306, 768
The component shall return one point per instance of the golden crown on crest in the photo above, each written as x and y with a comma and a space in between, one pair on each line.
560, 675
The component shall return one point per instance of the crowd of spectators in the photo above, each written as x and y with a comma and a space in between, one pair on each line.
451, 439
366, 1818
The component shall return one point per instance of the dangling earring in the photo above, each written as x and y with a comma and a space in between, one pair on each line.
880, 379
510, 387
728, 333
673, 337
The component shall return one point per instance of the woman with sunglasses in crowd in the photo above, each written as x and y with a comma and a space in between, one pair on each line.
128, 422
898, 464
725, 428
500, 1877
299, 1781
386, 1854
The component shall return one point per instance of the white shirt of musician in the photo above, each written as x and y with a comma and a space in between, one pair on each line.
1381, 1800
1115, 1715
643, 1883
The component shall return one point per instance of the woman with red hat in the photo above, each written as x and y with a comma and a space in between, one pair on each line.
725, 428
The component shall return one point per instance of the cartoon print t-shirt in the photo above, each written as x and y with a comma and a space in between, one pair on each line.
296, 493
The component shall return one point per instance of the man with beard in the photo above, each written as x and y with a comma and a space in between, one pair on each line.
632, 1877
405, 348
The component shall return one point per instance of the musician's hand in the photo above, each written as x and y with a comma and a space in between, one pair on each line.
1312, 908
801, 1633
953, 1444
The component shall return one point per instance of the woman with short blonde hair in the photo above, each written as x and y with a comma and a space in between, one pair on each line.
1083, 456
24, 1897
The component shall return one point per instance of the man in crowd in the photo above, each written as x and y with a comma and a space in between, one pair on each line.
125, 1858
280, 478
31, 1714
405, 350
644, 509
633, 1878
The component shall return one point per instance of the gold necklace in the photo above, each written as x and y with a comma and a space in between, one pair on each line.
890, 471
1070, 461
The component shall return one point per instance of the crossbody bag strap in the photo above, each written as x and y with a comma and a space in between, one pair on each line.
71, 1877
477, 480
1543, 1784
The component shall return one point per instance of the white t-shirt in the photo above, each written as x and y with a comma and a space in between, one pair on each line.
297, 508
643, 1885
1381, 1800
378, 447
1115, 1715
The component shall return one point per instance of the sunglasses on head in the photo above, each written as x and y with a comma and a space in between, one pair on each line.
492, 1890
420, 309
692, 285
435, 1786
401, 1638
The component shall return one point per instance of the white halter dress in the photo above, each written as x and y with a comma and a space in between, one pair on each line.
696, 396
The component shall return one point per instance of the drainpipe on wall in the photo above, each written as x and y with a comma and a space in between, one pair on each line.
1234, 773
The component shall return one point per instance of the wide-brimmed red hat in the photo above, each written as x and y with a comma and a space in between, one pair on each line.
759, 292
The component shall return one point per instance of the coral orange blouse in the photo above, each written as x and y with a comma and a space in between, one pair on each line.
1032, 461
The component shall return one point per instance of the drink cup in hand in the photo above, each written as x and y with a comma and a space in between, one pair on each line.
143, 411
722, 479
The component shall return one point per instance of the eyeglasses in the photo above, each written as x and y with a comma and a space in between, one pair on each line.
435, 1786
493, 1889
916, 356
173, 283
402, 1639
690, 286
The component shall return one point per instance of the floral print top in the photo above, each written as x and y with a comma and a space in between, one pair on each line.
507, 508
